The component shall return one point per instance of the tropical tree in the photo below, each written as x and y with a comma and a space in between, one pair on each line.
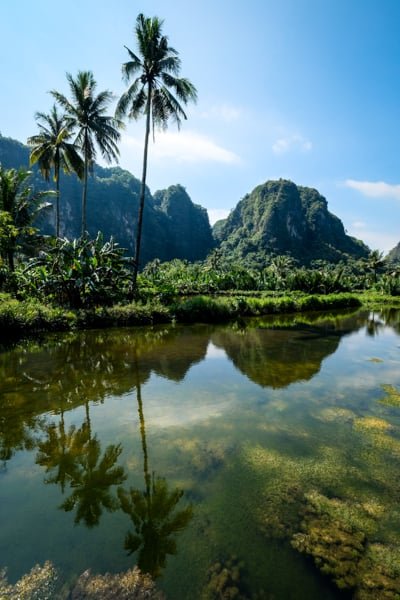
156, 92
85, 114
18, 209
375, 262
52, 149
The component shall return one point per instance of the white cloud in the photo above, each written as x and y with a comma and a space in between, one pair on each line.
293, 142
378, 189
182, 146
225, 112
215, 214
374, 239
359, 224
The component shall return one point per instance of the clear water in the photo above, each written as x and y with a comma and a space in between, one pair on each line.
246, 419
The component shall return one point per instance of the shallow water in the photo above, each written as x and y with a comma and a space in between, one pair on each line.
102, 431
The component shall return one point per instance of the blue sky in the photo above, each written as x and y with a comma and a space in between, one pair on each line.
307, 90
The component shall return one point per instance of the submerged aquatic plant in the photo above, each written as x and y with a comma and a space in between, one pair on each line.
130, 585
333, 534
225, 581
39, 584
392, 396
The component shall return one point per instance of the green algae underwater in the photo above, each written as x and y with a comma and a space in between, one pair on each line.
258, 459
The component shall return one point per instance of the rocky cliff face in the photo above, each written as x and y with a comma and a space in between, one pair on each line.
189, 234
173, 226
279, 217
394, 254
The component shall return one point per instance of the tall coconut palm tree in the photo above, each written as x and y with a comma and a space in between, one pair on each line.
156, 92
52, 149
85, 113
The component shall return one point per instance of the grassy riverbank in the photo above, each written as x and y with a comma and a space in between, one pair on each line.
20, 318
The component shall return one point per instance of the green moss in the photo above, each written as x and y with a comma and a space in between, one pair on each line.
329, 536
392, 396
225, 581
335, 536
371, 424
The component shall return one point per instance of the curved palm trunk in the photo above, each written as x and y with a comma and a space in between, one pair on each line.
84, 192
142, 190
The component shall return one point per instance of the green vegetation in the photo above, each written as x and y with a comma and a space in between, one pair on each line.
280, 251
18, 209
85, 114
155, 71
131, 585
174, 227
39, 584
43, 583
279, 217
87, 283
52, 149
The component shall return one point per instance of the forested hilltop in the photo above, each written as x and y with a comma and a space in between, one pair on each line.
279, 217
174, 227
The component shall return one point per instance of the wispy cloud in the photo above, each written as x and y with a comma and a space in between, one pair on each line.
374, 239
183, 146
225, 112
374, 189
291, 143
215, 214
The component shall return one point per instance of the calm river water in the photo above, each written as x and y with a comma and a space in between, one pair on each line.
265, 447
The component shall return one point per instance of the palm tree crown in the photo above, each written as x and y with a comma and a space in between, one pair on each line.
51, 149
156, 91
85, 114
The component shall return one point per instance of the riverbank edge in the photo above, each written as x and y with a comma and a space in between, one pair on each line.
20, 318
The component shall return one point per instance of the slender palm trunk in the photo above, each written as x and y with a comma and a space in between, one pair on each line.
10, 255
142, 189
84, 192
57, 167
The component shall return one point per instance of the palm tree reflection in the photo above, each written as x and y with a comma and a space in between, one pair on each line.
92, 479
75, 457
153, 512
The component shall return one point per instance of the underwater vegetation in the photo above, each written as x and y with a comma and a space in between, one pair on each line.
39, 584
43, 583
392, 396
337, 504
130, 585
332, 534
225, 581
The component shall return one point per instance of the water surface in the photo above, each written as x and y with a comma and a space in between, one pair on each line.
180, 448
